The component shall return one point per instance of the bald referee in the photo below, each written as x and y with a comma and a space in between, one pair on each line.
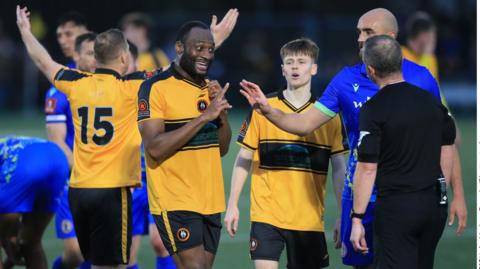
406, 149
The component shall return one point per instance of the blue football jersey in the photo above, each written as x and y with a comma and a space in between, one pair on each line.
57, 110
349, 90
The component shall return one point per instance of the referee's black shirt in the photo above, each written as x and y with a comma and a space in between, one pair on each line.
402, 128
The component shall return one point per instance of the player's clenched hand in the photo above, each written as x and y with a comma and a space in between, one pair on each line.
222, 30
255, 97
23, 21
357, 237
217, 105
459, 209
231, 219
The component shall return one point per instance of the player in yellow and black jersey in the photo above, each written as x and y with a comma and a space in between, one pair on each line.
185, 131
288, 172
107, 139
103, 107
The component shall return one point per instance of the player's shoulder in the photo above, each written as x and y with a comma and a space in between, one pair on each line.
68, 74
409, 67
156, 81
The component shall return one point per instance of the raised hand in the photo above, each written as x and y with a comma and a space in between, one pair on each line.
23, 20
217, 105
222, 30
255, 97
231, 220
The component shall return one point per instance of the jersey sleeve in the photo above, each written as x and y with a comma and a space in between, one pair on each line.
135, 80
339, 144
368, 148
67, 79
56, 106
448, 128
151, 103
328, 103
249, 132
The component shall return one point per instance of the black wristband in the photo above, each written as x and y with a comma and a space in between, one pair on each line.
356, 215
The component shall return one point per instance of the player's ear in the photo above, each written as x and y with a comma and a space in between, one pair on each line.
314, 69
179, 47
370, 71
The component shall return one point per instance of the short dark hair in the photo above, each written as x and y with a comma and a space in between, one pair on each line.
90, 36
301, 46
138, 19
133, 49
108, 45
187, 27
419, 22
75, 17
384, 54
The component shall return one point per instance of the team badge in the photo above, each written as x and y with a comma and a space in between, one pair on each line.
67, 226
243, 128
50, 105
355, 86
183, 234
253, 244
202, 105
143, 110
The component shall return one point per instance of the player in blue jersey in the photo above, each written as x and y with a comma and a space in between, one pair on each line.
345, 94
60, 126
33, 172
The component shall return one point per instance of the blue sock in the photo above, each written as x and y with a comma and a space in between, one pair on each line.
135, 266
165, 263
85, 265
58, 264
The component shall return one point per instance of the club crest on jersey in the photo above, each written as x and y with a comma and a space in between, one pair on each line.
67, 226
355, 86
183, 234
143, 110
253, 244
202, 105
50, 105
243, 128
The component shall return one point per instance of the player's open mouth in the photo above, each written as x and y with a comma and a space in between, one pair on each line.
295, 75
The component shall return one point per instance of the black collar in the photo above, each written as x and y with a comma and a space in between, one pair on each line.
108, 72
292, 107
179, 76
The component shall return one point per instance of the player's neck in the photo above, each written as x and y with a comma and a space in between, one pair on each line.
111, 67
388, 80
298, 96
196, 79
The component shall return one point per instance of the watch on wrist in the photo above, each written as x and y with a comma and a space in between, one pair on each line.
356, 215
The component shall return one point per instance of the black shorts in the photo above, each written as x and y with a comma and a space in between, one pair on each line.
181, 230
407, 229
306, 250
102, 219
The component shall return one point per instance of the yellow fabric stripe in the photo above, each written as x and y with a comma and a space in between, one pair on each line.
124, 225
169, 231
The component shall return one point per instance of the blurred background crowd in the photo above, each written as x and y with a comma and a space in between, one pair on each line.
252, 51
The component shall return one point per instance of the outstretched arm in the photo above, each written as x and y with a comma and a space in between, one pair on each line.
222, 30
37, 52
296, 123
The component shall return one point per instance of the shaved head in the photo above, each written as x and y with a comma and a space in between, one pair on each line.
378, 21
383, 18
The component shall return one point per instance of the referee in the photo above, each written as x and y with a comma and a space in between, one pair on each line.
405, 147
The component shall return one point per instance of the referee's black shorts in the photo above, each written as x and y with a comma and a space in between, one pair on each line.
407, 228
102, 221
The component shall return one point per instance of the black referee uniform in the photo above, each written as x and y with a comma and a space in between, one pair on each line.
402, 128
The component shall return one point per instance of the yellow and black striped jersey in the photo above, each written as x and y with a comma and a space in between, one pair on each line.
289, 171
192, 178
107, 139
